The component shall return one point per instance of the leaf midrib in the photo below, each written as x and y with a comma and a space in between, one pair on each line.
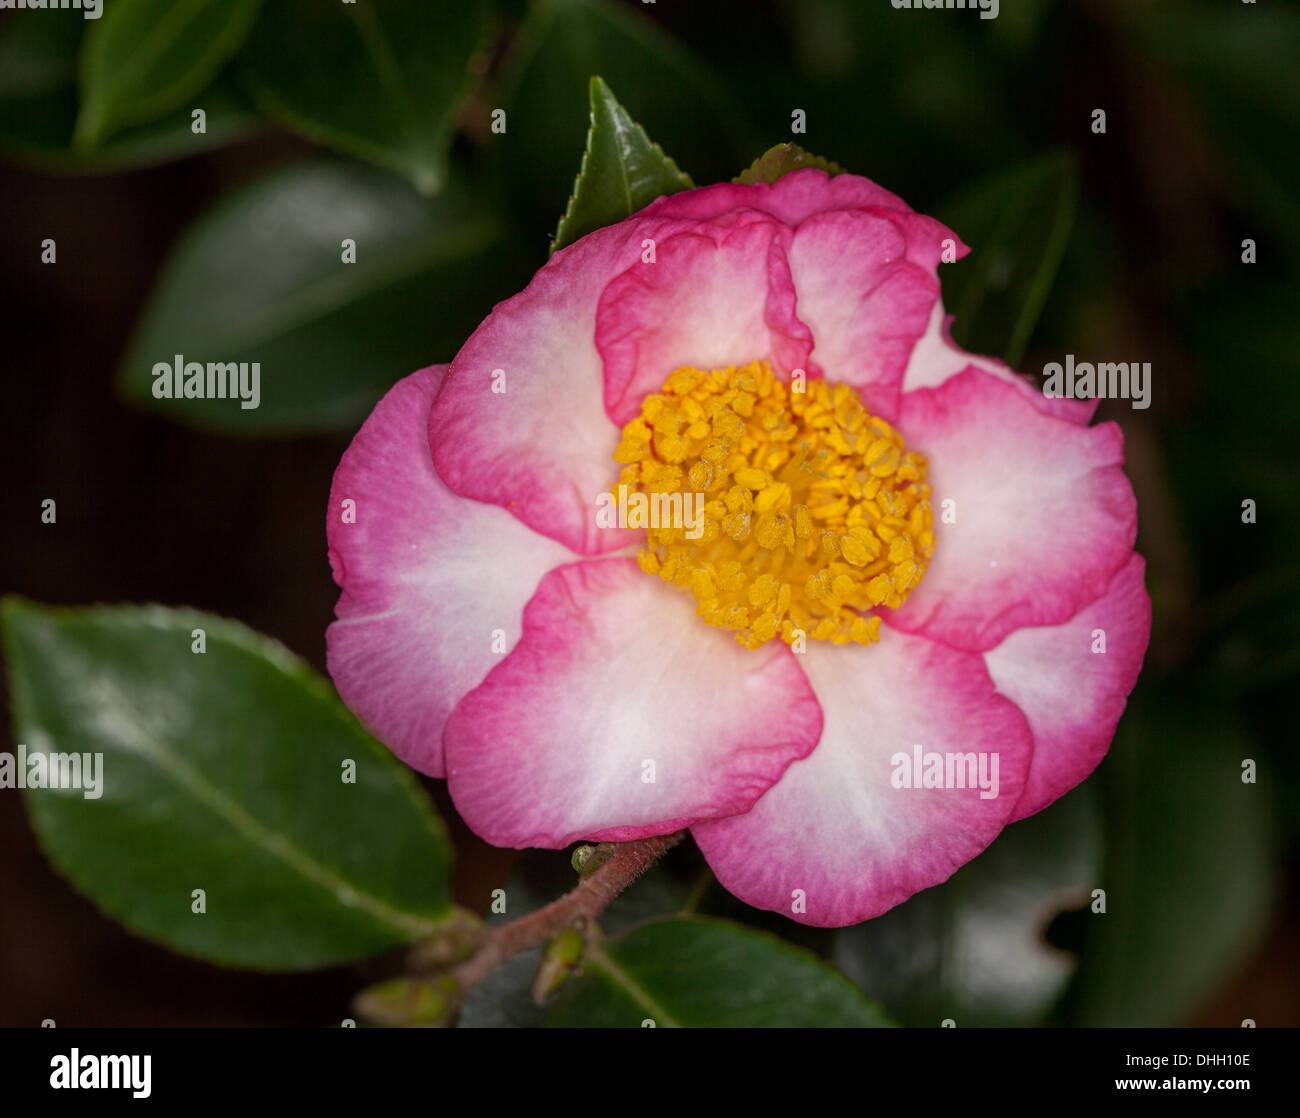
633, 989
150, 47
258, 834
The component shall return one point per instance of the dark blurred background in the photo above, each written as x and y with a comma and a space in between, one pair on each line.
1203, 110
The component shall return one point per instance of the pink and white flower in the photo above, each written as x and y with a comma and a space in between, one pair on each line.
961, 576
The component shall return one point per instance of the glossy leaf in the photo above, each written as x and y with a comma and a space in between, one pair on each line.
622, 171
144, 58
703, 973
1018, 224
545, 90
38, 108
262, 279
973, 948
225, 771
382, 80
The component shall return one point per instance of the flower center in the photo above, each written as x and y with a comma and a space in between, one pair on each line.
814, 510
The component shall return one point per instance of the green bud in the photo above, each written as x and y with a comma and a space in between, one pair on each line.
562, 954
455, 941
405, 1003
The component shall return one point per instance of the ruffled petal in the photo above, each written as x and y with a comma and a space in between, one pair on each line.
717, 295
427, 579
519, 421
616, 681
791, 199
1072, 681
1044, 515
838, 840
936, 358
866, 302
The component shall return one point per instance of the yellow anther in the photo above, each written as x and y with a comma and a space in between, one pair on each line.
814, 510
703, 585
843, 586
774, 496
764, 628
773, 531
824, 630
854, 551
900, 548
783, 597
831, 510
879, 588
737, 526
739, 499
762, 590
714, 454
670, 447
752, 478
630, 450
700, 475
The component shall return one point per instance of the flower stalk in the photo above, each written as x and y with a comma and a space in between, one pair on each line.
457, 960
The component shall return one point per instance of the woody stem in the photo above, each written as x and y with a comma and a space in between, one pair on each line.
622, 864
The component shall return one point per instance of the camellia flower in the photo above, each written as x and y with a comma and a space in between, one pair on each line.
908, 613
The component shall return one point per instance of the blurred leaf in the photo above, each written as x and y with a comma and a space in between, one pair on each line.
703, 973
1017, 224
561, 47
1238, 68
1189, 873
781, 160
1018, 25
144, 58
1233, 440
504, 999
261, 278
622, 171
382, 80
38, 108
911, 101
222, 771
972, 949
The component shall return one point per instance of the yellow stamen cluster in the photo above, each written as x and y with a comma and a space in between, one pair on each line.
814, 510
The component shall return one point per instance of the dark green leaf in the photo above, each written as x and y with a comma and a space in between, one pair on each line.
703, 973
545, 90
781, 160
262, 279
38, 108
382, 80
1017, 224
1189, 875
1018, 26
1237, 68
222, 771
144, 58
972, 949
504, 999
622, 171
